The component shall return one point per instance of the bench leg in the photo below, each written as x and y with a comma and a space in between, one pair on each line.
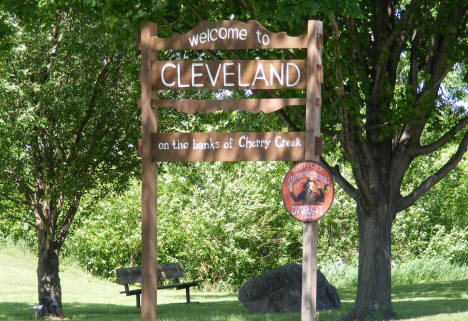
138, 300
187, 294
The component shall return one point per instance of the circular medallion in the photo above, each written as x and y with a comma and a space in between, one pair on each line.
307, 191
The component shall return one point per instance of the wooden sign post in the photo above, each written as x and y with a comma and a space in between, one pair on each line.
313, 104
226, 74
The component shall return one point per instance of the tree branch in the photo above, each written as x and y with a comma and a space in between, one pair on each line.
21, 185
15, 201
411, 198
427, 149
249, 8
337, 177
285, 118
19, 219
354, 148
67, 221
89, 112
338, 73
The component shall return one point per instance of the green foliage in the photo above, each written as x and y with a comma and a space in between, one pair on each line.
65, 122
427, 269
224, 221
229, 220
107, 234
452, 246
436, 224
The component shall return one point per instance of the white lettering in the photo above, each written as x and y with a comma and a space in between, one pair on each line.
196, 74
206, 145
213, 81
265, 39
274, 73
229, 74
278, 141
256, 77
258, 36
163, 145
241, 140
287, 74
203, 37
193, 40
179, 83
211, 34
225, 33
239, 77
226, 73
243, 34
281, 142
233, 33
163, 80
245, 142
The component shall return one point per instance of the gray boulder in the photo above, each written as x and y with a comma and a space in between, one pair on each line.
279, 290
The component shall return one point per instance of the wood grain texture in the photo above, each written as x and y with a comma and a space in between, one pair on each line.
228, 147
164, 271
255, 38
229, 74
148, 185
251, 105
312, 152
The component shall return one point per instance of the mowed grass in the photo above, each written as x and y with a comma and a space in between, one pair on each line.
88, 298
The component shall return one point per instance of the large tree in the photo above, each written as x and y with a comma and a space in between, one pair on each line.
387, 68
68, 123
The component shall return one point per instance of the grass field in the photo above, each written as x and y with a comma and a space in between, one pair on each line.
89, 298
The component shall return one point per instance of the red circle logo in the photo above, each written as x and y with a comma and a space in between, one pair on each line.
307, 191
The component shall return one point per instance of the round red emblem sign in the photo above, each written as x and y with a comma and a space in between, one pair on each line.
308, 191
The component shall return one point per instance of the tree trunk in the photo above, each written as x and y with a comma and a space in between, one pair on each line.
374, 292
49, 289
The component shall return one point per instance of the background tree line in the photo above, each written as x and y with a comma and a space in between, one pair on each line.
226, 223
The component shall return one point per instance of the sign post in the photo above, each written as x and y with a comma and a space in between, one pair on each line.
226, 74
312, 152
148, 184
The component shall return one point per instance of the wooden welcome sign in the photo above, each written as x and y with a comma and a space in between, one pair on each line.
226, 74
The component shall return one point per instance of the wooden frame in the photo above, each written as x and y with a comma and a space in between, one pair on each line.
235, 74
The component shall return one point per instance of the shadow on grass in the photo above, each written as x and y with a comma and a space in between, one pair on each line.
423, 300
414, 309
204, 311
409, 301
450, 289
208, 295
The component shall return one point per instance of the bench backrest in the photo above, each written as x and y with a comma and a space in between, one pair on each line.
165, 272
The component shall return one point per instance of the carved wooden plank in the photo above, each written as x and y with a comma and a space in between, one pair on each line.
229, 74
229, 34
227, 147
164, 272
250, 105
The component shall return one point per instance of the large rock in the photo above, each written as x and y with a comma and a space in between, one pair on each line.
279, 290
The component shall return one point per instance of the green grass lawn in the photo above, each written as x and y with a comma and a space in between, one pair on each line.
89, 298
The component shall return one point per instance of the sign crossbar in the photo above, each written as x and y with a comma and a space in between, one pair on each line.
265, 105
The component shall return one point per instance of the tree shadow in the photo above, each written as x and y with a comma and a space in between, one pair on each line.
409, 301
449, 289
427, 308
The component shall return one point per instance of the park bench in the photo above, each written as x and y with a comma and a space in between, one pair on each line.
168, 271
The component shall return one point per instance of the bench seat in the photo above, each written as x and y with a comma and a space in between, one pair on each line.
168, 271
